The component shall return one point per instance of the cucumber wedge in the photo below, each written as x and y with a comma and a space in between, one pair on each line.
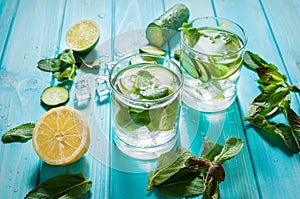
55, 96
166, 26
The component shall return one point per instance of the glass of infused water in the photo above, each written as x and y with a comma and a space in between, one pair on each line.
211, 56
146, 101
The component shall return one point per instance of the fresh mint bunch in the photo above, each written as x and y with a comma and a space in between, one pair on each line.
65, 64
274, 99
181, 174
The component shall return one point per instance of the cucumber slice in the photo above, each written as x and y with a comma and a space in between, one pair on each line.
141, 60
204, 75
188, 65
55, 96
152, 50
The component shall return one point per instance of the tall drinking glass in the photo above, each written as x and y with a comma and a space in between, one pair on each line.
145, 98
211, 58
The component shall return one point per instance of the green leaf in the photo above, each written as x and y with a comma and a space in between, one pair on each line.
184, 183
270, 75
283, 131
271, 96
67, 74
67, 56
192, 34
254, 61
231, 148
168, 164
92, 64
62, 186
293, 119
21, 133
139, 116
50, 65
211, 150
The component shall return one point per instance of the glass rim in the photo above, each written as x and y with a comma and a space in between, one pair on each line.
176, 91
244, 40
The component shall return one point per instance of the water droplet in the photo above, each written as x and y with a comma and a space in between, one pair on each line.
101, 15
275, 160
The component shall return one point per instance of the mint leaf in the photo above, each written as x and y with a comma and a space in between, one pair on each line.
192, 34
62, 186
50, 65
281, 130
274, 99
21, 133
293, 119
271, 96
139, 116
92, 64
231, 148
184, 183
67, 56
211, 150
168, 164
269, 76
181, 174
254, 61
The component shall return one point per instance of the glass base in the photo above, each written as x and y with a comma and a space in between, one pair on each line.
145, 153
212, 105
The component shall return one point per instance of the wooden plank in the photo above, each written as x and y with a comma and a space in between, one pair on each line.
218, 127
95, 164
21, 84
8, 10
269, 157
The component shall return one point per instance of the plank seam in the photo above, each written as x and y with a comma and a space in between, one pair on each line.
8, 34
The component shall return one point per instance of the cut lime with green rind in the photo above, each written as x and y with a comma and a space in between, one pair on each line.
162, 119
83, 36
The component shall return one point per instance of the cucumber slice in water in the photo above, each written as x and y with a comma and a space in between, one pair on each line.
55, 96
188, 66
152, 50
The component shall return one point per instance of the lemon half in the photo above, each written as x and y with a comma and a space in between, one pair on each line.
61, 136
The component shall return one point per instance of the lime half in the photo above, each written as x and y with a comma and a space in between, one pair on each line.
83, 36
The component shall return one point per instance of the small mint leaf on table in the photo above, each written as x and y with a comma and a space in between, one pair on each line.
62, 186
21, 133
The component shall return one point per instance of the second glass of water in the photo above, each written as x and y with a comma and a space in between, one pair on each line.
211, 58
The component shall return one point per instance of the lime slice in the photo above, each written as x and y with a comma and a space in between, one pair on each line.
83, 36
162, 119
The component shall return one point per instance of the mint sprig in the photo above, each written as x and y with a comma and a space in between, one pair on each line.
181, 174
274, 99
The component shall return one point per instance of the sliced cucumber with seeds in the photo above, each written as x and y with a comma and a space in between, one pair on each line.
152, 50
55, 96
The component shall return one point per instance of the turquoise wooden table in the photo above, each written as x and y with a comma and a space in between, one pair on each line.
31, 30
